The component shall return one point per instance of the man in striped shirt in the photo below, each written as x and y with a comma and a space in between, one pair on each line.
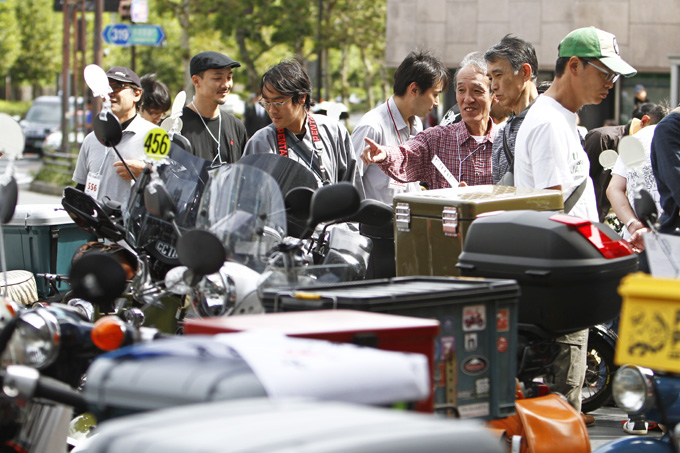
463, 147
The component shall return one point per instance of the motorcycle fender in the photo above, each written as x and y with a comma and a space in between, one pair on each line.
636, 444
551, 424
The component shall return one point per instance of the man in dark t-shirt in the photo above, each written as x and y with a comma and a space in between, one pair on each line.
216, 136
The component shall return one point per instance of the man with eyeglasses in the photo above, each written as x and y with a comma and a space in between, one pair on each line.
215, 135
156, 99
316, 141
549, 155
99, 172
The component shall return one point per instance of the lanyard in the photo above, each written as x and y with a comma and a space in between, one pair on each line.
394, 122
219, 134
282, 145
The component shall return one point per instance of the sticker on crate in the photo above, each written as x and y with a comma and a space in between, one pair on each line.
502, 344
475, 365
474, 318
503, 320
470, 342
448, 347
482, 387
474, 410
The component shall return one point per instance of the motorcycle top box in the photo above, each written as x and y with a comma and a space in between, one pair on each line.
568, 268
431, 226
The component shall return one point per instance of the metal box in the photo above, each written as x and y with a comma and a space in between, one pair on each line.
379, 330
42, 238
476, 351
430, 226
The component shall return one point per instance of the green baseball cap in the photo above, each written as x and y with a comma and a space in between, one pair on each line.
590, 42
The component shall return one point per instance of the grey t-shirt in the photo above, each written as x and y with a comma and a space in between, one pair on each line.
95, 158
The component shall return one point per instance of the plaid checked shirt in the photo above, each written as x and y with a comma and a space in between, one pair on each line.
466, 159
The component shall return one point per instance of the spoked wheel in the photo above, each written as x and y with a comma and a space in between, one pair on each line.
600, 370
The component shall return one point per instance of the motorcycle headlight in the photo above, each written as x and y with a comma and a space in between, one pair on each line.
36, 340
214, 296
633, 388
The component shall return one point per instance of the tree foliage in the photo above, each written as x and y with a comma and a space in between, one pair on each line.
349, 35
9, 37
40, 40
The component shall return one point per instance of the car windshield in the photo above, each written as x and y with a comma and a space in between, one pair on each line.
44, 113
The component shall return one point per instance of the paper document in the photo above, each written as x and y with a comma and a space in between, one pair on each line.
660, 264
439, 165
331, 371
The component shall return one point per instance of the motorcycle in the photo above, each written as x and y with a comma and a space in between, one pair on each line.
244, 209
574, 251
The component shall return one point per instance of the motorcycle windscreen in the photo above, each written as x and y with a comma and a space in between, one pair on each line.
289, 175
243, 207
185, 176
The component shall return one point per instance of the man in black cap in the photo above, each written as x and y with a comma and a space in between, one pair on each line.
215, 135
99, 171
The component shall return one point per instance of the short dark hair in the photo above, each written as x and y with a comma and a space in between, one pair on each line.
423, 68
655, 112
155, 94
517, 51
561, 64
290, 79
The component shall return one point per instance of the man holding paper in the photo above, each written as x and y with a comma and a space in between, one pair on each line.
464, 148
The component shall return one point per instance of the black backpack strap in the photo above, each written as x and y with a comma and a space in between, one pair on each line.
571, 201
510, 155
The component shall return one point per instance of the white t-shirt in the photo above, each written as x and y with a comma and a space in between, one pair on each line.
548, 152
644, 175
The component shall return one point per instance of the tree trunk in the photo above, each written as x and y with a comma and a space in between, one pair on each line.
368, 79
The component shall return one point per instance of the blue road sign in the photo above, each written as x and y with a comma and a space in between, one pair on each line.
134, 35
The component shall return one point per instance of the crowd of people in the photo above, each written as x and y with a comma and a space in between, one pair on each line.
510, 130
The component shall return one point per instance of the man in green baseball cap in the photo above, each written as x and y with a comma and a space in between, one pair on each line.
549, 155
590, 42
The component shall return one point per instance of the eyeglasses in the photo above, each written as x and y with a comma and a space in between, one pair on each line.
611, 76
266, 104
117, 88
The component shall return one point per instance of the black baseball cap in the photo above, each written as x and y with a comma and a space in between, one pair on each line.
211, 60
125, 75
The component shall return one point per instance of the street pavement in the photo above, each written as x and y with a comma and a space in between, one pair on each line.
608, 427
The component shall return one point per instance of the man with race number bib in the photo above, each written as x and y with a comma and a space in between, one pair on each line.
99, 171
316, 141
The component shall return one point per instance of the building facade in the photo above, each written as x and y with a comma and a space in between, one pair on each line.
647, 34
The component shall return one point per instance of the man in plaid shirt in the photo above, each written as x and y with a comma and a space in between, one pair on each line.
463, 147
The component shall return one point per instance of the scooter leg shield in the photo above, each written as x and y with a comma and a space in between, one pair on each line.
552, 425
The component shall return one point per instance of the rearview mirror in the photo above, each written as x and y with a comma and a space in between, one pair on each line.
201, 251
12, 137
333, 202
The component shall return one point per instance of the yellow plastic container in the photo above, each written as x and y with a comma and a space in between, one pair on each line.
649, 331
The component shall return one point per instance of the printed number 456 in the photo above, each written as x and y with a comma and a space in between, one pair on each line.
156, 143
